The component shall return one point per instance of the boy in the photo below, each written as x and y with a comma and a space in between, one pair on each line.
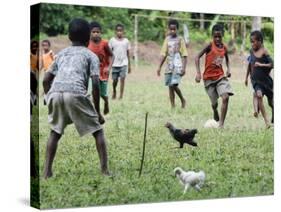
67, 99
216, 84
260, 65
255, 98
48, 55
120, 47
34, 58
174, 49
101, 49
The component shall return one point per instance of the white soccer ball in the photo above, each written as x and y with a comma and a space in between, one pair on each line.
211, 123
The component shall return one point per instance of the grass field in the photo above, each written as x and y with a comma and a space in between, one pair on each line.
237, 160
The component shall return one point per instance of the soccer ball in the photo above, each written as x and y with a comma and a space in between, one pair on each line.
211, 123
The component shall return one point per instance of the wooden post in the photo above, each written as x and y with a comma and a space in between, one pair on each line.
136, 42
144, 141
244, 37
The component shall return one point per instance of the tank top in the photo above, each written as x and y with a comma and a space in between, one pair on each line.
213, 63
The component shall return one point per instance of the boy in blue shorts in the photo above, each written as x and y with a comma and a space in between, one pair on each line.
174, 50
66, 85
120, 47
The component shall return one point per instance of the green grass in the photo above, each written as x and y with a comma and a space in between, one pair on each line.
238, 160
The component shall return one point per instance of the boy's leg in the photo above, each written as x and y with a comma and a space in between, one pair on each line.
106, 105
123, 74
270, 103
178, 92
215, 111
224, 106
104, 96
101, 148
115, 75
255, 103
213, 95
50, 153
261, 107
122, 85
172, 96
114, 85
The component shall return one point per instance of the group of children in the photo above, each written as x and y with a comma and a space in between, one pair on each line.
216, 81
66, 81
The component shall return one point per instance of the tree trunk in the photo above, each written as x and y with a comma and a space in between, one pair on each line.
256, 23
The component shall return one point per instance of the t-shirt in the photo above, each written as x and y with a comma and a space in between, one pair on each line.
47, 60
72, 68
101, 49
119, 49
174, 48
213, 62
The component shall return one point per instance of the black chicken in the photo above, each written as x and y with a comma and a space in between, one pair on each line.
182, 135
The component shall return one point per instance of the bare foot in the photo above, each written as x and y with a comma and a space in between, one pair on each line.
256, 114
106, 173
106, 109
220, 125
114, 95
267, 125
48, 175
183, 103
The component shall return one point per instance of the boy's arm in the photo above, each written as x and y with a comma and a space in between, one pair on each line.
129, 61
49, 77
163, 56
183, 51
184, 65
265, 65
228, 74
162, 60
197, 64
111, 57
247, 74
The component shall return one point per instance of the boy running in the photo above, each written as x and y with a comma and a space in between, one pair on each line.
260, 65
216, 84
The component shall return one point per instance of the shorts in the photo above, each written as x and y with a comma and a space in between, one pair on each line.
172, 79
103, 88
217, 88
265, 90
68, 108
119, 72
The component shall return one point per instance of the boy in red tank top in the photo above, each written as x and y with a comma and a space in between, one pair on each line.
101, 48
215, 82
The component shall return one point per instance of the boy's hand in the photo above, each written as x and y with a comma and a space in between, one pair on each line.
258, 64
246, 82
158, 72
129, 69
182, 73
228, 74
198, 77
101, 119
